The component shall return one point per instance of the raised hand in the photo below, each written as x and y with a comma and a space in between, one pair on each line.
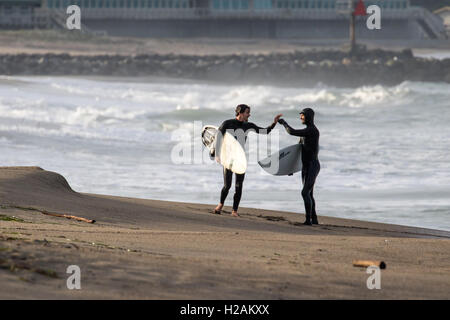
275, 120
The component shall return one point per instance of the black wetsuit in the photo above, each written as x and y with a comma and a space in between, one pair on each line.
239, 130
310, 161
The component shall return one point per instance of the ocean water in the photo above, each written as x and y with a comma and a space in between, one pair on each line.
384, 151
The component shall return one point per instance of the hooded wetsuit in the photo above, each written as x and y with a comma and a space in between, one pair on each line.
232, 126
310, 161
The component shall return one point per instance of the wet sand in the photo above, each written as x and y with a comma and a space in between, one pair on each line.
147, 249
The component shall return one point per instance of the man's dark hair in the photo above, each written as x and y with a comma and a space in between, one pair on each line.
241, 109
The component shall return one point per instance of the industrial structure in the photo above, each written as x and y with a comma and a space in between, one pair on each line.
307, 19
444, 13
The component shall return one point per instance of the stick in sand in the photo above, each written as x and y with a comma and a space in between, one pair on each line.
68, 217
368, 263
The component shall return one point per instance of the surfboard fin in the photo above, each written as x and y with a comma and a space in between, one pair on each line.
212, 154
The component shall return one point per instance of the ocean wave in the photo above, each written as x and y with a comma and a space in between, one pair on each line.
374, 96
323, 95
204, 114
110, 128
71, 115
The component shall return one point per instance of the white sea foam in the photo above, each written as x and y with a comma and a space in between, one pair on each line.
323, 96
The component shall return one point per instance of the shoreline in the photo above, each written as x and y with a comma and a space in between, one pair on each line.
149, 249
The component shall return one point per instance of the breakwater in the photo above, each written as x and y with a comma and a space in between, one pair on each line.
330, 67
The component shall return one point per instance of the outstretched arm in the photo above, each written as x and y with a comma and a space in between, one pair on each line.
268, 129
292, 131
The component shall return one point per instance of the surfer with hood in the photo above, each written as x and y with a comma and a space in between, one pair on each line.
239, 127
309, 139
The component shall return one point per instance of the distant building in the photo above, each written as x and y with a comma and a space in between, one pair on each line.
18, 13
175, 9
444, 13
313, 19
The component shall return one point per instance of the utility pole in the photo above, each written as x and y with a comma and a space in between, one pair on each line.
352, 26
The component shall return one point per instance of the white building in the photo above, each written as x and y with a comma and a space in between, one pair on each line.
18, 13
444, 13
311, 19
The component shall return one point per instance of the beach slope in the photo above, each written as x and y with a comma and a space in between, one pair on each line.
148, 249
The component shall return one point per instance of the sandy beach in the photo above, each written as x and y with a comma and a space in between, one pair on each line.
147, 249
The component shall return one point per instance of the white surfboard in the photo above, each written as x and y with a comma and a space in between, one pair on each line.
231, 153
287, 161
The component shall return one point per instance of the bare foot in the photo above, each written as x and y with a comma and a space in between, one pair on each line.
218, 209
234, 214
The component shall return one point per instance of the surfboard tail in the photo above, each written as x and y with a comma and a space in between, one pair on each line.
284, 162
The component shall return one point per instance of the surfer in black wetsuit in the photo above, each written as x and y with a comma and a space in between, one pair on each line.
239, 128
310, 161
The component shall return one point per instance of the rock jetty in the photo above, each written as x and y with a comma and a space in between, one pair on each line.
330, 67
